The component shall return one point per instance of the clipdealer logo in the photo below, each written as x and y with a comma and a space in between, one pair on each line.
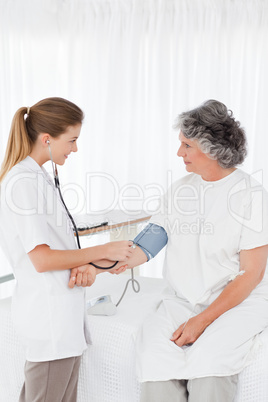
186, 200
250, 212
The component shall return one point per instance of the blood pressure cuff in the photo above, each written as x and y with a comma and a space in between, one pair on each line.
151, 240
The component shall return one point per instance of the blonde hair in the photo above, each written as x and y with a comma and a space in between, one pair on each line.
50, 115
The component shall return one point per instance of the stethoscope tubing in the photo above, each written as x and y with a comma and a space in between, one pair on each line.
57, 186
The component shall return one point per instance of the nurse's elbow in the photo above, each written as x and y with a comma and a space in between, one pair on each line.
261, 275
40, 268
38, 257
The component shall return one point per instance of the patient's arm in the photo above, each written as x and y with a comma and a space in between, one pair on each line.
86, 274
138, 257
148, 244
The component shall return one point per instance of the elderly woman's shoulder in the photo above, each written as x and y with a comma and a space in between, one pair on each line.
248, 190
239, 180
251, 180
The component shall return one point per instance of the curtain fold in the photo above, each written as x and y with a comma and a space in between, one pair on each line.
132, 66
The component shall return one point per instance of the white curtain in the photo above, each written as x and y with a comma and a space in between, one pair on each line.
132, 66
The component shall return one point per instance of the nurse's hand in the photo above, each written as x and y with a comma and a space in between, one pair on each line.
84, 275
189, 332
118, 250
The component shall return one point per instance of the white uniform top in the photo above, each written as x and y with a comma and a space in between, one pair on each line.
49, 316
208, 224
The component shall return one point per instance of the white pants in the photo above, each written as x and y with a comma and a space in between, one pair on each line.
206, 389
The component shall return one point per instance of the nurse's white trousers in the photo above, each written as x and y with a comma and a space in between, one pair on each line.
206, 389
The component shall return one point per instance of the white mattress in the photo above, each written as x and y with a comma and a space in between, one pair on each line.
107, 371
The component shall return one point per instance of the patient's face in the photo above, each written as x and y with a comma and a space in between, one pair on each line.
195, 160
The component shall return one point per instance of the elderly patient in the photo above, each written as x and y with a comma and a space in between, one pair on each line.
205, 330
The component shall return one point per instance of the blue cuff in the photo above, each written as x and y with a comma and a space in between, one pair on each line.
151, 240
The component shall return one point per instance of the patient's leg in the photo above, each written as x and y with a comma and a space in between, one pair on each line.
212, 389
163, 391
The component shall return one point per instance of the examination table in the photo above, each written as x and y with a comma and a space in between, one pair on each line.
107, 371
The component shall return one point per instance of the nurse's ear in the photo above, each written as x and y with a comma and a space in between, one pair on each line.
45, 139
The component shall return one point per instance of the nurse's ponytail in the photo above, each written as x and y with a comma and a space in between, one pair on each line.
19, 144
51, 115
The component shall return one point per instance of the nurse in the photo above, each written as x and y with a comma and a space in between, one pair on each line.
215, 220
37, 237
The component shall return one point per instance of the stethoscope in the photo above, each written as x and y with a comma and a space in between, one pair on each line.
57, 185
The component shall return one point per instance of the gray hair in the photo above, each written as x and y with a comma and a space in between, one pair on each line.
216, 131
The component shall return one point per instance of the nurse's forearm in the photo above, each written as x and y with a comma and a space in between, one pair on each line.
44, 259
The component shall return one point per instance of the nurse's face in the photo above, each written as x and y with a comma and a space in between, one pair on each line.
64, 144
195, 160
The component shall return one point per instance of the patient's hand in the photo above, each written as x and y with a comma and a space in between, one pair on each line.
118, 269
189, 332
